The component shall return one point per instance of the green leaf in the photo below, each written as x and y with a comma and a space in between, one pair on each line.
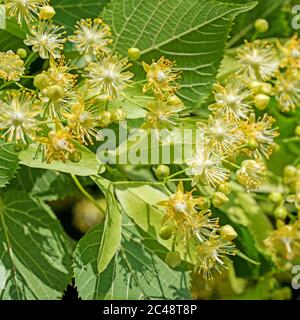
68, 12
34, 255
111, 237
45, 184
267, 9
136, 272
9, 163
192, 32
87, 166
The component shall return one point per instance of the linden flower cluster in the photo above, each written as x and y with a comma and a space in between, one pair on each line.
284, 242
164, 111
62, 112
272, 71
188, 220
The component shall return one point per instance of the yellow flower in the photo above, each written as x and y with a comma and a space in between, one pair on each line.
58, 144
212, 256
59, 75
252, 174
232, 100
11, 66
291, 53
221, 135
162, 115
108, 76
184, 218
83, 121
258, 61
26, 10
287, 90
262, 132
206, 168
284, 242
18, 117
46, 39
91, 37
161, 77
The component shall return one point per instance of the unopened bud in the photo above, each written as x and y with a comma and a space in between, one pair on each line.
162, 171
261, 25
252, 144
261, 101
203, 203
297, 131
106, 118
219, 199
275, 197
225, 188
228, 233
280, 213
41, 81
166, 232
22, 53
55, 93
134, 54
173, 259
289, 171
75, 156
46, 13
119, 115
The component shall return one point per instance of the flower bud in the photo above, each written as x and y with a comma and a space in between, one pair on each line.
203, 203
261, 25
228, 233
224, 188
255, 87
252, 144
289, 171
119, 115
134, 54
22, 53
46, 13
106, 118
162, 171
41, 81
219, 199
280, 213
173, 259
173, 100
75, 156
166, 232
275, 197
297, 131
19, 146
261, 101
267, 88
55, 93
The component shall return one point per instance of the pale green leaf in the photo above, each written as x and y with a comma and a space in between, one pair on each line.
87, 166
192, 32
111, 237
34, 256
136, 272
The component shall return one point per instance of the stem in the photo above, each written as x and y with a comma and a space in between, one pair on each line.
176, 174
232, 164
85, 193
291, 139
6, 84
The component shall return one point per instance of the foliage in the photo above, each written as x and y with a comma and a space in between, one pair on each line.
220, 222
